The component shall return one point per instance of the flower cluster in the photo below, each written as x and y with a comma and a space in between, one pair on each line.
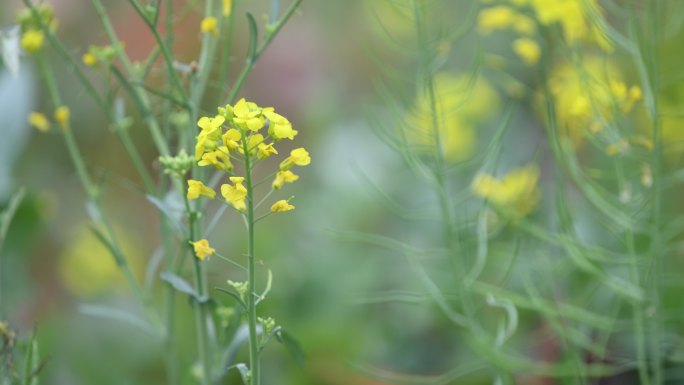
517, 192
588, 97
579, 21
100, 54
242, 132
462, 105
32, 36
62, 117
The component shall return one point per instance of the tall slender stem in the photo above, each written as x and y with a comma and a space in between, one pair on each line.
201, 316
251, 298
247, 69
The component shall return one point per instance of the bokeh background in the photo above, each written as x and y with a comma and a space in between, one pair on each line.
352, 306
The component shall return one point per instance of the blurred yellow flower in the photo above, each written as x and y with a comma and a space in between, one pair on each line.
236, 194
197, 188
577, 19
87, 268
39, 121
462, 103
281, 206
90, 60
202, 249
493, 18
527, 49
517, 191
283, 177
209, 25
32, 40
62, 116
587, 96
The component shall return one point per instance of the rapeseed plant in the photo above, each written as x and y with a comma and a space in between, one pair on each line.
214, 147
235, 134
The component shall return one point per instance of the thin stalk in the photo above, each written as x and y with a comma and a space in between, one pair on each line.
95, 96
5, 222
166, 53
247, 69
93, 194
228, 25
205, 355
140, 97
254, 364
207, 53
646, 61
440, 166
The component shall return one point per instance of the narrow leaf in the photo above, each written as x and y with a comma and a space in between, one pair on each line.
253, 37
293, 347
117, 315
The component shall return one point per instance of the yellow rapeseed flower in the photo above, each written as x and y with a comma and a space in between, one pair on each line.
516, 192
236, 194
588, 95
197, 188
576, 19
299, 157
202, 249
39, 121
32, 40
253, 143
62, 116
527, 49
462, 103
209, 25
278, 127
281, 206
283, 177
231, 138
265, 150
247, 115
90, 60
218, 158
209, 135
493, 18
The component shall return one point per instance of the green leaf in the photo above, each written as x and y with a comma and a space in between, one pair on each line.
7, 215
168, 213
31, 360
117, 315
293, 347
253, 37
181, 285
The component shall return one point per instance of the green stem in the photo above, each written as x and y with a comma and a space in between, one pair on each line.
139, 96
201, 316
207, 53
228, 24
254, 363
247, 69
439, 170
166, 53
93, 195
95, 96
